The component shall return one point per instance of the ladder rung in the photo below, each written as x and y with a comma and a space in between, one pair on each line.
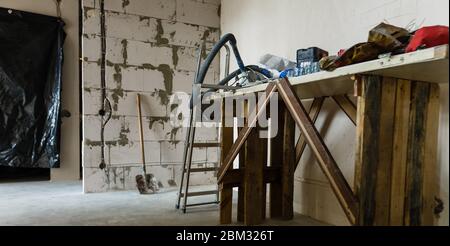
206, 145
220, 87
200, 193
201, 170
201, 204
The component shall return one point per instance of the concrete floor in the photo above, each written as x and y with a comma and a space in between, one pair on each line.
63, 204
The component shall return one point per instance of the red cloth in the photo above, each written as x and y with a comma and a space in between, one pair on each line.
428, 37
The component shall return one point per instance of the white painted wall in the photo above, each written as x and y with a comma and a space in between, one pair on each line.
70, 136
282, 26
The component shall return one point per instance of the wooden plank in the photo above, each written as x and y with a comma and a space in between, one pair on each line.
276, 160
240, 206
242, 154
399, 155
430, 177
243, 135
328, 165
226, 192
349, 108
361, 108
370, 148
226, 204
288, 168
425, 65
314, 112
385, 146
253, 180
264, 185
262, 145
416, 153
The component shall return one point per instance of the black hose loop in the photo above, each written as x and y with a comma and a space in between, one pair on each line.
215, 50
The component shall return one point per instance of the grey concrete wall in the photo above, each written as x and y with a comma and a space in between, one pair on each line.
151, 51
70, 135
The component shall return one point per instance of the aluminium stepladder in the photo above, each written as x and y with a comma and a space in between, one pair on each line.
190, 145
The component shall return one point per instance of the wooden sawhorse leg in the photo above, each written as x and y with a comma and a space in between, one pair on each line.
226, 191
395, 171
283, 157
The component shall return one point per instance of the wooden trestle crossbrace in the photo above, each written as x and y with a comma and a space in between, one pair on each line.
395, 166
254, 175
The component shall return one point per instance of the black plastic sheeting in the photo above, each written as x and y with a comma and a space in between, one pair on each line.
31, 59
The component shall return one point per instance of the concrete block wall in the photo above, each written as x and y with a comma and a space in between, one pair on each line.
151, 50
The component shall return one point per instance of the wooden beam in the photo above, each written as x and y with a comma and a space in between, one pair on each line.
263, 144
243, 135
288, 168
328, 165
397, 134
385, 146
276, 160
253, 180
430, 170
349, 108
314, 112
226, 204
399, 154
226, 192
425, 65
361, 106
416, 154
370, 124
242, 154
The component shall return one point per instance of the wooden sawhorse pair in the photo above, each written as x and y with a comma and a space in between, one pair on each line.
397, 123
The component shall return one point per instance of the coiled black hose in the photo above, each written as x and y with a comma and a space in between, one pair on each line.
216, 49
247, 68
200, 77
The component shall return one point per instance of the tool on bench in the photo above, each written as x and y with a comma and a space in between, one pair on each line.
307, 62
244, 76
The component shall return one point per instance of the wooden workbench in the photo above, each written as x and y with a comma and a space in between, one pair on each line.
396, 120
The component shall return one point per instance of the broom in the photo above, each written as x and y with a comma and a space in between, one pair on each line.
141, 180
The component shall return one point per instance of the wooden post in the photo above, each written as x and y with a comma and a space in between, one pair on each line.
254, 197
226, 192
421, 155
263, 142
402, 108
276, 160
386, 143
430, 170
376, 129
243, 135
288, 167
416, 154
242, 154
